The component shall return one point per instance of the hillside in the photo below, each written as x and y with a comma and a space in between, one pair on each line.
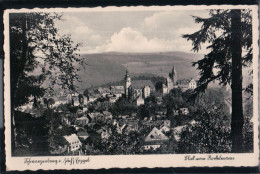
104, 68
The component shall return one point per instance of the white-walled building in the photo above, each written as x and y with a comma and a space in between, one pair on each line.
147, 91
192, 84
139, 101
74, 142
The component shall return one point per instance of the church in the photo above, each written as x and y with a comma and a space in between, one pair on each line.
171, 82
135, 89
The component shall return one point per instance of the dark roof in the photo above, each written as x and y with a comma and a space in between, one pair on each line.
139, 84
82, 134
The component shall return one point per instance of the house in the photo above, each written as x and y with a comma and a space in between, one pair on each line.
105, 133
132, 125
187, 84
93, 97
117, 89
164, 89
94, 116
82, 121
107, 115
165, 129
74, 143
156, 135
192, 84
103, 91
167, 123
125, 116
139, 101
184, 111
175, 112
83, 134
112, 99
134, 114
75, 100
155, 139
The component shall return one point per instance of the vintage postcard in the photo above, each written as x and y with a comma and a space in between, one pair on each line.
131, 87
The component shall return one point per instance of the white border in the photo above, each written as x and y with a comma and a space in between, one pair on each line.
132, 161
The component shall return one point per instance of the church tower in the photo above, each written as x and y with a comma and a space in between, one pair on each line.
173, 76
127, 83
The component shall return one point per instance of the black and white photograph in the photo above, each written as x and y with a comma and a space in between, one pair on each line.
161, 86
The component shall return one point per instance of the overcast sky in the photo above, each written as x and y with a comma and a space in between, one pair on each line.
131, 31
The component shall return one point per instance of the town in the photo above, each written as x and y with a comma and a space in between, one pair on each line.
126, 119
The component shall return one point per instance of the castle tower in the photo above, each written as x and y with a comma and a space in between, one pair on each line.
173, 76
127, 83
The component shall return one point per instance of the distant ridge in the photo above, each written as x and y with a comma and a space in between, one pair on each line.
110, 67
169, 53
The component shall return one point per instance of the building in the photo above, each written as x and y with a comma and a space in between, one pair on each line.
164, 89
83, 135
136, 88
173, 76
165, 129
113, 99
184, 111
117, 89
187, 84
107, 115
82, 121
170, 82
94, 116
192, 84
146, 91
155, 139
127, 83
74, 143
132, 125
103, 91
175, 112
155, 135
139, 101
167, 123
104, 133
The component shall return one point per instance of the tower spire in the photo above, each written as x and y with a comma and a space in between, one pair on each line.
127, 83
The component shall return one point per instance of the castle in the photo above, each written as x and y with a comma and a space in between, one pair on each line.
171, 82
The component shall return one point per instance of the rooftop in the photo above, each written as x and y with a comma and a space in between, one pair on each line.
139, 84
71, 138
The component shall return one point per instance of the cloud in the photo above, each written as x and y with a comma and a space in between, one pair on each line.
130, 40
82, 30
153, 32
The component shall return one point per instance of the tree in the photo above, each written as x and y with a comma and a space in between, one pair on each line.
38, 52
228, 32
81, 99
45, 101
207, 135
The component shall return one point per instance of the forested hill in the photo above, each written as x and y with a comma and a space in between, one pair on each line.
104, 68
154, 79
